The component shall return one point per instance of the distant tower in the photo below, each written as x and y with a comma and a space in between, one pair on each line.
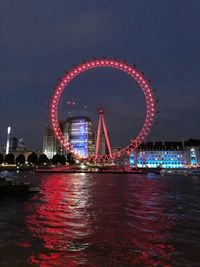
13, 144
8, 140
21, 144
102, 122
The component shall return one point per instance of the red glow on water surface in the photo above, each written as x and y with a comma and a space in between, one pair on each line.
82, 221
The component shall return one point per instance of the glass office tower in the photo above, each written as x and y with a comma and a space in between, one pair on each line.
79, 132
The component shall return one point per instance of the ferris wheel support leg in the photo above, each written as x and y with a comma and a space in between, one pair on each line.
107, 137
98, 138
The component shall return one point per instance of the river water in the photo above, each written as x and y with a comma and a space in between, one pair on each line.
104, 220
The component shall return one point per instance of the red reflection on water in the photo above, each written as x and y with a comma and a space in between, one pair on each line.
57, 220
100, 221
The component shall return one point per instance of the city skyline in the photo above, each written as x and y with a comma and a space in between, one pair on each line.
39, 44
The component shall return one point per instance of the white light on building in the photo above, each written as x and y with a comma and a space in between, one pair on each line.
8, 140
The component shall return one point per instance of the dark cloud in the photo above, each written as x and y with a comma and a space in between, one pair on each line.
41, 39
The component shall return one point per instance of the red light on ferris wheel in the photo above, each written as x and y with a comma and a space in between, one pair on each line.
105, 62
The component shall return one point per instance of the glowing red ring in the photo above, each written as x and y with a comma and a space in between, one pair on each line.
130, 70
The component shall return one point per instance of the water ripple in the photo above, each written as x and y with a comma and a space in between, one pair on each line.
104, 220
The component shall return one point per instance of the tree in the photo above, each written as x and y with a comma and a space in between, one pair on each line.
1, 158
63, 160
56, 159
43, 160
32, 158
9, 158
20, 159
70, 158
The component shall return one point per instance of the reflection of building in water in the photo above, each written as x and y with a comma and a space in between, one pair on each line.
76, 130
167, 154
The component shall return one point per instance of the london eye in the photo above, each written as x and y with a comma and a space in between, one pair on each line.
136, 76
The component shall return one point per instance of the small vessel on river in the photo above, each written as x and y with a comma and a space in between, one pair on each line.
8, 187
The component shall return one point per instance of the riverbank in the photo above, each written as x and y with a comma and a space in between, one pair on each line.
16, 168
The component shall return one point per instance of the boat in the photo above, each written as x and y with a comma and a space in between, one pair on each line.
9, 188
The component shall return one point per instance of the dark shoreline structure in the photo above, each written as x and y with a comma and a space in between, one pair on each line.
149, 157
98, 169
16, 168
8, 188
12, 190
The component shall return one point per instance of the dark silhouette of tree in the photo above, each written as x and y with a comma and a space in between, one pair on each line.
70, 159
43, 160
32, 158
1, 158
9, 158
63, 160
56, 159
59, 159
20, 159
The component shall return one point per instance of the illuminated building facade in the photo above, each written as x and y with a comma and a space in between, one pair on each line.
192, 148
79, 132
167, 154
76, 130
50, 143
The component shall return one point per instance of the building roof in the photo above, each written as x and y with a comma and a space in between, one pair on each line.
192, 142
174, 145
78, 118
162, 146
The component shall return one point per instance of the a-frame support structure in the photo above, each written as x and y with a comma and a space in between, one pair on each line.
100, 124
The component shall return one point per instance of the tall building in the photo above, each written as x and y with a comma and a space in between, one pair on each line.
16, 144
76, 130
21, 144
79, 132
13, 144
51, 145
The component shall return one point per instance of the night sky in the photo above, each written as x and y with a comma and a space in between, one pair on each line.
40, 40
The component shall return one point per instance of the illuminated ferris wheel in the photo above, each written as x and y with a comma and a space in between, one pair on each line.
135, 75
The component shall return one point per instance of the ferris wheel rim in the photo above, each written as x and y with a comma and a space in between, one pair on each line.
111, 63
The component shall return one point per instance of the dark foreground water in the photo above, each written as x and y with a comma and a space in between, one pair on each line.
103, 220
